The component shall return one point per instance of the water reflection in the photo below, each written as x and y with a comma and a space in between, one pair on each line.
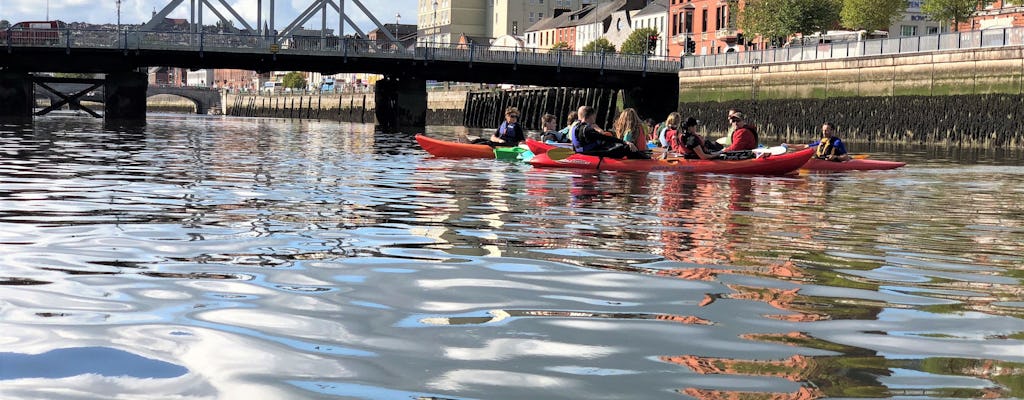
302, 258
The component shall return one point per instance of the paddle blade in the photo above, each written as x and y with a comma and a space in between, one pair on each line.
860, 156
770, 150
559, 153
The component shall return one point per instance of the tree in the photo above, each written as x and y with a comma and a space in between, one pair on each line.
871, 15
560, 46
4, 24
294, 80
780, 19
601, 45
638, 42
956, 11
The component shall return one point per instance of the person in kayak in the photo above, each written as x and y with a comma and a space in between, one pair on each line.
550, 134
689, 144
589, 139
510, 133
829, 147
671, 123
630, 129
744, 136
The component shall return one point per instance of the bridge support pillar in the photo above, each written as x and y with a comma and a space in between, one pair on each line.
16, 95
401, 103
125, 96
654, 98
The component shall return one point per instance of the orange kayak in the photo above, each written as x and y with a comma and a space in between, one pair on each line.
815, 164
444, 148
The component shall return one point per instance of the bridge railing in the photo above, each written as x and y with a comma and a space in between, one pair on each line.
873, 47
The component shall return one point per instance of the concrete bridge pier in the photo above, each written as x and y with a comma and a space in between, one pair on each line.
16, 95
401, 103
653, 98
124, 96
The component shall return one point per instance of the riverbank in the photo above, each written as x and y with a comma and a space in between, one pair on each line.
443, 107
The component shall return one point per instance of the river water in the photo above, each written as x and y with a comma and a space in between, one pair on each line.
226, 258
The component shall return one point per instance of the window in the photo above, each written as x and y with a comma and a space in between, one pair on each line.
704, 20
908, 30
933, 30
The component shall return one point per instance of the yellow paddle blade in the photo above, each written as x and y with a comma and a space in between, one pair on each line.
560, 153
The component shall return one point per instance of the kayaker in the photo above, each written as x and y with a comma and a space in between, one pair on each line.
510, 133
589, 139
744, 136
829, 147
569, 121
691, 145
550, 134
630, 129
671, 123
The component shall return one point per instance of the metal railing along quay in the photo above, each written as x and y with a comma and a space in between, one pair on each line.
872, 47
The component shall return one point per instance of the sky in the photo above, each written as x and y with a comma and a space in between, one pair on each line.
140, 11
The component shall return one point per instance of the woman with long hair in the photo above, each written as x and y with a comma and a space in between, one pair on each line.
630, 129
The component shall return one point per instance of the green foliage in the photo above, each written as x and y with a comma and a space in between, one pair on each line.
4, 24
637, 42
560, 46
600, 45
871, 15
780, 19
956, 11
294, 80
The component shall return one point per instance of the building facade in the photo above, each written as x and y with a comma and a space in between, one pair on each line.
999, 14
916, 23
655, 16
444, 21
710, 24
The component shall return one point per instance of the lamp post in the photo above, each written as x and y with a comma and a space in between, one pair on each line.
433, 25
119, 15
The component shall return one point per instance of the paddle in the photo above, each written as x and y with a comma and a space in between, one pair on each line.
776, 150
560, 153
859, 156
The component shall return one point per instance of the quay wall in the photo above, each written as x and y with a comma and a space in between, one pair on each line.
969, 97
443, 107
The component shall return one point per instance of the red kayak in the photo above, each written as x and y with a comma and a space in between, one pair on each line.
444, 148
538, 147
816, 164
769, 165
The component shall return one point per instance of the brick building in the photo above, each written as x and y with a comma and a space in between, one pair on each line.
1000, 14
710, 24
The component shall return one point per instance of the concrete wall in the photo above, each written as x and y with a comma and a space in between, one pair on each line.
976, 71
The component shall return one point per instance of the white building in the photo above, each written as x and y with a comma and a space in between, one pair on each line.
916, 23
655, 15
200, 78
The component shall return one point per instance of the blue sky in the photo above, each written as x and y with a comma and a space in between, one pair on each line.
139, 11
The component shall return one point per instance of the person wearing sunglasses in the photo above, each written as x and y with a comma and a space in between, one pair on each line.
510, 133
744, 136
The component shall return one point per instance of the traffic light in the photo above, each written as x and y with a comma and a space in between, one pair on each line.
739, 38
652, 43
691, 46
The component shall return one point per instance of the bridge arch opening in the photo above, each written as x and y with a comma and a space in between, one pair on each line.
165, 102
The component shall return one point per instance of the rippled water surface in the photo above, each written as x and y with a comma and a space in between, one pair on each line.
271, 259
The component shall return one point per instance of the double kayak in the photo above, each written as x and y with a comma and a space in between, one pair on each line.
817, 164
767, 165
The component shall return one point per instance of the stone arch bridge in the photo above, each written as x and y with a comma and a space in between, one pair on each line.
205, 99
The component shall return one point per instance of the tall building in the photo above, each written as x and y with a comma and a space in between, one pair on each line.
445, 21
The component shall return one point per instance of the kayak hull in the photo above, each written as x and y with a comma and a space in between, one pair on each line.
538, 147
815, 164
770, 165
444, 148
